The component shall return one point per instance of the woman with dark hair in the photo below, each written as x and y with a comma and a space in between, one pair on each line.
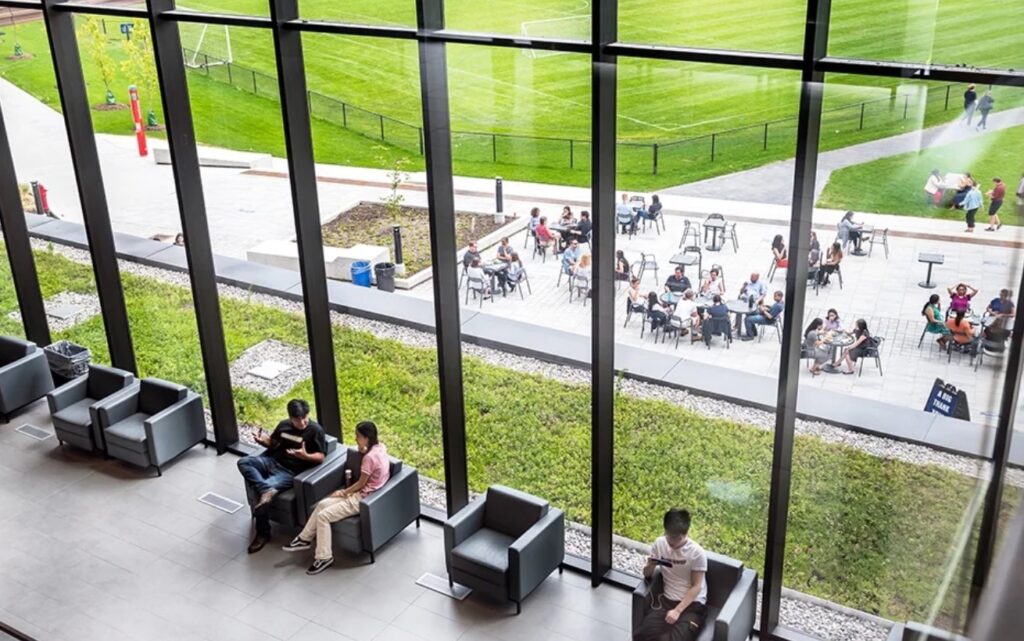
932, 311
961, 330
657, 313
814, 345
832, 322
833, 257
374, 472
862, 341
621, 266
849, 231
779, 251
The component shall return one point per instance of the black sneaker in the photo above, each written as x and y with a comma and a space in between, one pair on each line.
297, 545
319, 566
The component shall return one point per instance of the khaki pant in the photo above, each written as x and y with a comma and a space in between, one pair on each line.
318, 526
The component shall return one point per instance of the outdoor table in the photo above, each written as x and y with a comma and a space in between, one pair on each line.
492, 269
863, 234
931, 259
714, 224
671, 298
837, 341
685, 260
740, 308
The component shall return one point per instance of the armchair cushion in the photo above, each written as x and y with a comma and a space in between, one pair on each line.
484, 555
11, 349
75, 417
156, 395
129, 433
512, 512
104, 381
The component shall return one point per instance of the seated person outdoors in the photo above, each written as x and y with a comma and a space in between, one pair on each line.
657, 311
678, 614
471, 253
1001, 306
636, 302
779, 253
686, 308
374, 472
654, 210
622, 271
295, 445
754, 289
568, 221
515, 271
960, 297
765, 316
677, 282
531, 225
932, 312
833, 256
571, 257
862, 342
504, 250
961, 331
583, 269
718, 308
583, 227
567, 218
713, 284
545, 235
849, 231
832, 321
997, 334
476, 271
815, 347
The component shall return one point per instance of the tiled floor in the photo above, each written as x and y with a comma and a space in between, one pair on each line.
97, 550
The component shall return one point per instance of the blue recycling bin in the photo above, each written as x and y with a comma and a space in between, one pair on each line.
361, 275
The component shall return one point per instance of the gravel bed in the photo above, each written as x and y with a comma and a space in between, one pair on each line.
88, 306
295, 358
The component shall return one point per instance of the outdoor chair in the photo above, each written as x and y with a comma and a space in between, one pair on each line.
151, 423
775, 324
504, 544
462, 274
382, 515
711, 217
563, 270
519, 281
993, 349
529, 234
72, 405
731, 599
478, 287
657, 219
630, 311
690, 229
812, 279
729, 232
580, 286
293, 507
626, 223
24, 375
838, 274
919, 632
875, 352
970, 349
649, 318
774, 267
540, 249
717, 327
690, 250
648, 262
879, 237
677, 326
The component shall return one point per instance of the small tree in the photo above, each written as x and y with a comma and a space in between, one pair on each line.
97, 43
396, 176
139, 64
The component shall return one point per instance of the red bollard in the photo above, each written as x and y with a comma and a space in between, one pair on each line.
42, 199
140, 131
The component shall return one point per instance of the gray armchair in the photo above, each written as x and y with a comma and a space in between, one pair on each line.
382, 515
731, 605
504, 544
919, 632
151, 423
292, 507
71, 405
24, 375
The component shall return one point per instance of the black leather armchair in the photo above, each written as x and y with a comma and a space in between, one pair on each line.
504, 544
151, 423
24, 375
731, 604
382, 515
72, 405
919, 632
292, 507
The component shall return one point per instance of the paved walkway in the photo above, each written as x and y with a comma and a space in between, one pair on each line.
773, 183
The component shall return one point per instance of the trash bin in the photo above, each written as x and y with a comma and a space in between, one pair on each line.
385, 274
361, 273
67, 359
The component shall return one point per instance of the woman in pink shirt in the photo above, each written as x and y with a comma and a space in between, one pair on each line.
374, 471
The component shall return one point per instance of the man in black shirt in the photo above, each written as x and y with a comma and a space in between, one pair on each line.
295, 445
677, 282
584, 226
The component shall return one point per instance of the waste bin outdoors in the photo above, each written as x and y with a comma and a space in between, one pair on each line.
385, 273
361, 273
67, 359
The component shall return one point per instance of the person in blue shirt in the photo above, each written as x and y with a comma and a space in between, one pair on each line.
765, 316
754, 287
971, 204
1001, 306
571, 257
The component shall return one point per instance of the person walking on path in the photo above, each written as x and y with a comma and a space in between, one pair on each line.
985, 106
996, 195
972, 203
970, 104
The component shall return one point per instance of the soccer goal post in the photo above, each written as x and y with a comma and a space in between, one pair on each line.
206, 45
571, 27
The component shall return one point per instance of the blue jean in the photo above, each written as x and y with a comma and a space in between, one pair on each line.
263, 474
755, 319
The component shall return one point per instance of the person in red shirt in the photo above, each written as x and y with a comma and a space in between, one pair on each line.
996, 195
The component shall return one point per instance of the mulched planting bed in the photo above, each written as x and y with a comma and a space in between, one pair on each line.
370, 223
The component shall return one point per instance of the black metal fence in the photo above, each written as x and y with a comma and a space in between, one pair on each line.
774, 139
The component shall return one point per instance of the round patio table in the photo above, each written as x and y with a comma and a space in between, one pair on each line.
671, 298
837, 341
740, 308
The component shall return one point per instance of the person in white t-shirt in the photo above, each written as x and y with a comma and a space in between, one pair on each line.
678, 613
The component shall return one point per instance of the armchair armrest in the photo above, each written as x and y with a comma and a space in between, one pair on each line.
736, 618
317, 482
460, 526
115, 407
389, 510
536, 553
175, 429
67, 394
24, 380
643, 593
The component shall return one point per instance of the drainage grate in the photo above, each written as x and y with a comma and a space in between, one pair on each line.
32, 431
440, 584
222, 503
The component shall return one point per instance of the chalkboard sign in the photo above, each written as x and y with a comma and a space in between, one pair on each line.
126, 29
947, 400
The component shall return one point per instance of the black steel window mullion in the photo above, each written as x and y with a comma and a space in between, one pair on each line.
181, 140
441, 202
988, 530
19, 248
602, 340
74, 99
298, 139
804, 175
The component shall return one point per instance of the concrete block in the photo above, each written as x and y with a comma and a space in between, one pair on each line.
284, 254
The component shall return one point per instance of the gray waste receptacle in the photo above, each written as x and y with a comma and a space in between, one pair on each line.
385, 275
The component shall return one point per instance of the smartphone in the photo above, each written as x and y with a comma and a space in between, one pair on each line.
657, 560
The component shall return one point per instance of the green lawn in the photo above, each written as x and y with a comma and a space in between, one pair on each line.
855, 533
896, 184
